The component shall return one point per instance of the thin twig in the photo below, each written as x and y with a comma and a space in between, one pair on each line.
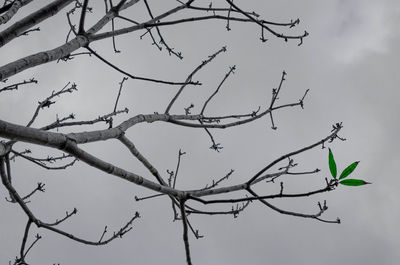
231, 71
180, 153
47, 102
17, 85
119, 92
162, 41
190, 76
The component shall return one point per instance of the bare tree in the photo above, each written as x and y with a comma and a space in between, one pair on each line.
185, 204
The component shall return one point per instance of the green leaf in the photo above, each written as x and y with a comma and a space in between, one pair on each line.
347, 171
353, 182
332, 164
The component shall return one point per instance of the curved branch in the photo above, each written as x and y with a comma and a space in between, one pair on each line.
329, 137
313, 216
39, 223
260, 22
138, 77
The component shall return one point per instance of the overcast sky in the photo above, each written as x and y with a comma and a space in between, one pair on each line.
349, 62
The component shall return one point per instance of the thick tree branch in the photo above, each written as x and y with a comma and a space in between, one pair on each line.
12, 10
31, 20
62, 51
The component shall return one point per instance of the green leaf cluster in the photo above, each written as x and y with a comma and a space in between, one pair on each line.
345, 173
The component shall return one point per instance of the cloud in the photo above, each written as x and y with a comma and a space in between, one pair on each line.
357, 28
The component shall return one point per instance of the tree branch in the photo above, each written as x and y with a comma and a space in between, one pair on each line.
185, 232
31, 20
12, 9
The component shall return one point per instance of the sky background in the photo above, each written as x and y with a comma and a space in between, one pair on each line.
349, 62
